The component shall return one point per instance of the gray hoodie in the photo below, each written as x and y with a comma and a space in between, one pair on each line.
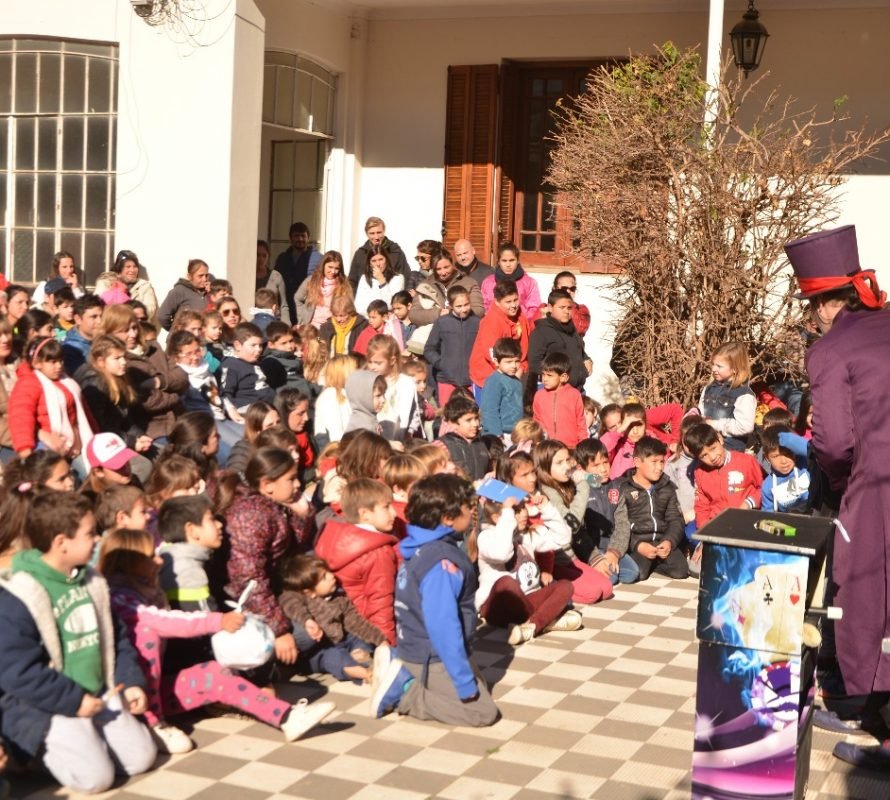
360, 393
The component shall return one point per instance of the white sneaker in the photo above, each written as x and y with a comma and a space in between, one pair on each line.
569, 621
521, 633
303, 717
171, 740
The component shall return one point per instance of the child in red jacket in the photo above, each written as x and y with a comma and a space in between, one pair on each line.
723, 478
558, 407
361, 552
45, 406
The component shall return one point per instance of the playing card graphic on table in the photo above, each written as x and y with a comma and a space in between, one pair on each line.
768, 611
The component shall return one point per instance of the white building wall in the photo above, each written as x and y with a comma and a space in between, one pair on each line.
188, 127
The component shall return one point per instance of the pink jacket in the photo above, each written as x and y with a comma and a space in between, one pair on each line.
529, 295
148, 623
621, 453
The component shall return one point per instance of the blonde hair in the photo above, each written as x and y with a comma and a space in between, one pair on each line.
315, 352
336, 371
527, 430
433, 457
118, 387
736, 356
402, 470
118, 318
390, 349
104, 281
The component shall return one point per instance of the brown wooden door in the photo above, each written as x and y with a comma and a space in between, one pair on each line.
532, 217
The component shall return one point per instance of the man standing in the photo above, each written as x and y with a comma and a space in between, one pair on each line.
469, 264
297, 263
375, 230
848, 371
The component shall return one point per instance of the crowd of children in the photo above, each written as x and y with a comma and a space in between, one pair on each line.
370, 483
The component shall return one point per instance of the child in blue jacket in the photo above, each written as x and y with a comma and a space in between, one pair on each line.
787, 487
433, 677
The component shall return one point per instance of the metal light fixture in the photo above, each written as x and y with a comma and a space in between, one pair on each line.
748, 40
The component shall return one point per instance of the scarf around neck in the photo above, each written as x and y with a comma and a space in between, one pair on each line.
518, 274
341, 333
57, 409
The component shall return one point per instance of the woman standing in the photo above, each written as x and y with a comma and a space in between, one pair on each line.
271, 279
509, 268
189, 292
313, 298
379, 282
126, 264
847, 368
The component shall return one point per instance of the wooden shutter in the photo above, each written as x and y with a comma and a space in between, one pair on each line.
470, 137
507, 169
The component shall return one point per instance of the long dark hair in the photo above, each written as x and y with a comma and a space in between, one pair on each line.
188, 437
269, 463
388, 271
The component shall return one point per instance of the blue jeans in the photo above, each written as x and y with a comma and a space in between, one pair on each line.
628, 571
327, 657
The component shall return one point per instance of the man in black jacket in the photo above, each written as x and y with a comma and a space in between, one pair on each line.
556, 333
375, 230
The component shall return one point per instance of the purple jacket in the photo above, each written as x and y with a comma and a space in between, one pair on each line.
849, 369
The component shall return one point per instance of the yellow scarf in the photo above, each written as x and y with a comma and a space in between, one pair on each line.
341, 334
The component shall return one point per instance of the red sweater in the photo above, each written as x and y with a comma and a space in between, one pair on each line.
734, 485
365, 564
561, 414
497, 325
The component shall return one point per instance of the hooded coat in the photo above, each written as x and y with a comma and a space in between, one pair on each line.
365, 564
182, 295
360, 394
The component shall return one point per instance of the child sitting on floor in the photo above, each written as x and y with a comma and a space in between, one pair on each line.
511, 590
331, 635
128, 563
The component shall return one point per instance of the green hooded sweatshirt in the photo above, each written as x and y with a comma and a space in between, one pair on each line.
75, 618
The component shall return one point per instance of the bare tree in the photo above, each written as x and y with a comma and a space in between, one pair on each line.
696, 214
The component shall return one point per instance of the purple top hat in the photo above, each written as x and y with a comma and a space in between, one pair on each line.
827, 254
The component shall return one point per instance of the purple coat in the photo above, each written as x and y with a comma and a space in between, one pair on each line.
849, 371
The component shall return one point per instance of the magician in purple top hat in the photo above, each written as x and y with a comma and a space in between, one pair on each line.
829, 260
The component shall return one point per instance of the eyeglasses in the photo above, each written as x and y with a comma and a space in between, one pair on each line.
568, 288
422, 258
229, 311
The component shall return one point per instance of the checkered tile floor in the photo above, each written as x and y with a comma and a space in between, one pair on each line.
605, 712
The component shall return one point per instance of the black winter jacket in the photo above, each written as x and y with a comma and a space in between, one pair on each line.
643, 515
550, 336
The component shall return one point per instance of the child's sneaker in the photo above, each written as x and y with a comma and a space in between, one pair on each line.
303, 717
171, 740
388, 681
521, 633
569, 621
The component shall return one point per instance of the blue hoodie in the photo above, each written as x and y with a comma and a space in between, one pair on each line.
789, 492
435, 609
